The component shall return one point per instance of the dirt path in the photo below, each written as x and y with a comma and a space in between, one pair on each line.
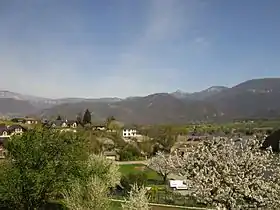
156, 206
144, 162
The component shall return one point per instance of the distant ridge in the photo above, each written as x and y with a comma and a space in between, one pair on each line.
256, 98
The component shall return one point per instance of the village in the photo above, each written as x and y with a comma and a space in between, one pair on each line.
140, 155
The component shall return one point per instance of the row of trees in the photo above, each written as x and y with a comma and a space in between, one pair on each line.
82, 119
209, 129
46, 167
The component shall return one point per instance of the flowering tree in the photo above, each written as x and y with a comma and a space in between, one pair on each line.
91, 192
231, 175
137, 199
161, 164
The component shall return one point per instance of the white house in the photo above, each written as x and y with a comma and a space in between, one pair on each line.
129, 133
4, 134
31, 121
64, 124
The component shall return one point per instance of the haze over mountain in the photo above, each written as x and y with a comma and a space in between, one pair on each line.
258, 98
199, 95
41, 102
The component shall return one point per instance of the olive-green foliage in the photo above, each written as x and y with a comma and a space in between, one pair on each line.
92, 191
127, 181
129, 153
147, 147
165, 136
40, 165
94, 145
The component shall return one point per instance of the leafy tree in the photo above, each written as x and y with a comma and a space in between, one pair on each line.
87, 117
92, 192
133, 178
94, 145
14, 120
40, 163
44, 165
166, 138
130, 152
231, 175
58, 117
146, 146
108, 121
118, 140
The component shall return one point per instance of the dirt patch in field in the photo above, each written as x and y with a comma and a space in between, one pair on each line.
140, 168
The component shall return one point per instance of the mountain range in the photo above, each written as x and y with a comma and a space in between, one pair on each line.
257, 98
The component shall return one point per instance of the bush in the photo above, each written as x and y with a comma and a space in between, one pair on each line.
46, 166
130, 153
133, 178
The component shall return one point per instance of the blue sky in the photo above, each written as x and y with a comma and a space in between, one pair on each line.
102, 48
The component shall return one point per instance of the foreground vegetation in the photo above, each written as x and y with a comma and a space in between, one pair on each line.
47, 167
228, 174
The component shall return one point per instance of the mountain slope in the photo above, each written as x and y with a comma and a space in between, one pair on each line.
139, 110
152, 109
44, 103
250, 99
9, 106
209, 92
201, 95
259, 98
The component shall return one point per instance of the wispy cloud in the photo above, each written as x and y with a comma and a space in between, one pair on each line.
200, 40
48, 57
140, 69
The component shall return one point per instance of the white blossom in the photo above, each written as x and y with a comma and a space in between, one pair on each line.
137, 199
92, 193
231, 175
161, 164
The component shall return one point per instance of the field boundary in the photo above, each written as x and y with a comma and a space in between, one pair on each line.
135, 162
166, 205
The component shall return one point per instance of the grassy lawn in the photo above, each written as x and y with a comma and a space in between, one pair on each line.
137, 168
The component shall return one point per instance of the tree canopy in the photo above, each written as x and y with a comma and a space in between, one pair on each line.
46, 166
231, 175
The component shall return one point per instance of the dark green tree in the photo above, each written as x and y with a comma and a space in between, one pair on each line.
40, 164
87, 117
130, 153
127, 181
58, 117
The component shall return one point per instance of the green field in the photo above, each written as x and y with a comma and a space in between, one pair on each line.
137, 168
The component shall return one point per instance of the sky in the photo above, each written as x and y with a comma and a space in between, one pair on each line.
120, 48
